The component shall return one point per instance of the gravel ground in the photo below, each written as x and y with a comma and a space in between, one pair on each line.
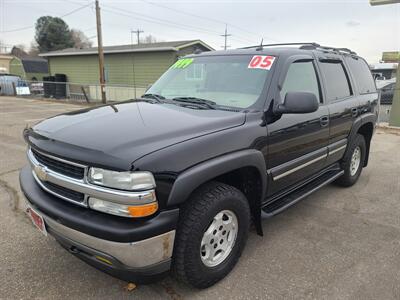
336, 244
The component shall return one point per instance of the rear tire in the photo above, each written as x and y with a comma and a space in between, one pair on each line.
354, 163
211, 235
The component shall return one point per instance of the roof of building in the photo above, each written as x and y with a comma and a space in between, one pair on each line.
35, 65
148, 47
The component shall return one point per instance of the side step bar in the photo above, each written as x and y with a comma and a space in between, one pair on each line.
281, 204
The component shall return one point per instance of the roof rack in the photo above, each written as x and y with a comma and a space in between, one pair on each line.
282, 44
346, 50
305, 46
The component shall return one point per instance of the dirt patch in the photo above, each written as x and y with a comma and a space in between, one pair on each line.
12, 193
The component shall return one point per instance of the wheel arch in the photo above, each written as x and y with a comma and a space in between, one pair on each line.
245, 170
366, 130
365, 126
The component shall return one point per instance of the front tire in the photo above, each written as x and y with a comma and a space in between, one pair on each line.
354, 163
212, 233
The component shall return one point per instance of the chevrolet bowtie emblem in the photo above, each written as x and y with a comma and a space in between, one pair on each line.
41, 172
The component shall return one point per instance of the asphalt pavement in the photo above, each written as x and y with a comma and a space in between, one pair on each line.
339, 243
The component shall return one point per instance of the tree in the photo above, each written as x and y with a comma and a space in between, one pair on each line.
149, 39
52, 33
19, 51
34, 49
80, 39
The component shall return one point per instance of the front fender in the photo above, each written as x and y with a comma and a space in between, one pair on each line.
195, 176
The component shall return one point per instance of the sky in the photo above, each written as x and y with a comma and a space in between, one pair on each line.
365, 29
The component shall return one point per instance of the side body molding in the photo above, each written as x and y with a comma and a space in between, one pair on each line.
193, 177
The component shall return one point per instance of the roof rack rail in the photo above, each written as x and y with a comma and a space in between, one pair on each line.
346, 50
306, 46
281, 44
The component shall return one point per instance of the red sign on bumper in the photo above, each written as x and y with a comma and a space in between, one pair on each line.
37, 220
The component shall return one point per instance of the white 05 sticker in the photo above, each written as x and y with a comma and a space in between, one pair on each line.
261, 62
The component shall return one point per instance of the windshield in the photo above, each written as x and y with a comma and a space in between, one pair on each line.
231, 80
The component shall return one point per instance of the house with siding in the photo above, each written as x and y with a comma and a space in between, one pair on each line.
5, 63
136, 65
29, 68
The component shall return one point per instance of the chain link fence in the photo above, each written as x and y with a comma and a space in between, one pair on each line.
77, 92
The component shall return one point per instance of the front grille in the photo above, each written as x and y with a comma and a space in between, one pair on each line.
59, 166
64, 192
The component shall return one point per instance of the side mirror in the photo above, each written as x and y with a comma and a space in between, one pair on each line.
298, 103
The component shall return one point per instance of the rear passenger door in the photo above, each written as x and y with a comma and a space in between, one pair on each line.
343, 103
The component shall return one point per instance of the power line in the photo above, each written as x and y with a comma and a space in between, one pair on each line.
207, 18
129, 15
62, 16
183, 12
159, 20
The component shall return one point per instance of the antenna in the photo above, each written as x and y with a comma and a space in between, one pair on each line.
259, 48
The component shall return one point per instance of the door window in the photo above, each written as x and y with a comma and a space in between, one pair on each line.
336, 80
301, 77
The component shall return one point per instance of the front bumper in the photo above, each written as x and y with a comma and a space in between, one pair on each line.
132, 250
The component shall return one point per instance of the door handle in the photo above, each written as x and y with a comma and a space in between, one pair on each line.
354, 112
324, 121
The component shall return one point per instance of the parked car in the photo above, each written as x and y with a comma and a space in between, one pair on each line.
223, 139
387, 91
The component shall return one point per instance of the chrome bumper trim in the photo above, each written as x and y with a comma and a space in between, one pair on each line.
90, 190
134, 255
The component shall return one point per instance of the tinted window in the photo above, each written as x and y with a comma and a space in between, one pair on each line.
362, 75
336, 81
301, 77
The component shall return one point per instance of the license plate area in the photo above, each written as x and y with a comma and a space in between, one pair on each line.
37, 220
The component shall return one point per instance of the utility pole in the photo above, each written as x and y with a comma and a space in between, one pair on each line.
138, 32
394, 119
100, 52
225, 35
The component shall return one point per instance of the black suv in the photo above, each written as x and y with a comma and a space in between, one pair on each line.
223, 139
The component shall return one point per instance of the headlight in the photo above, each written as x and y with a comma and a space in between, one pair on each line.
135, 211
122, 180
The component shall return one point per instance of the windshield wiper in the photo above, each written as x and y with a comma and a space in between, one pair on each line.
156, 97
194, 100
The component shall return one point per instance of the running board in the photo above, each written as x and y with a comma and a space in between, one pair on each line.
279, 205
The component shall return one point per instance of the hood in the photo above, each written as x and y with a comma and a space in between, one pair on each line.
121, 133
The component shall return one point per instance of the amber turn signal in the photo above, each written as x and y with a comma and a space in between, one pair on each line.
143, 210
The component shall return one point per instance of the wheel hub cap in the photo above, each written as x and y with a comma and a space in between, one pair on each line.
219, 238
355, 161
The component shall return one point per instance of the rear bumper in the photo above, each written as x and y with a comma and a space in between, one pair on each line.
133, 250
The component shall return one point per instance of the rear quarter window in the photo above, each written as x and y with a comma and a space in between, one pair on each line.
361, 75
336, 80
